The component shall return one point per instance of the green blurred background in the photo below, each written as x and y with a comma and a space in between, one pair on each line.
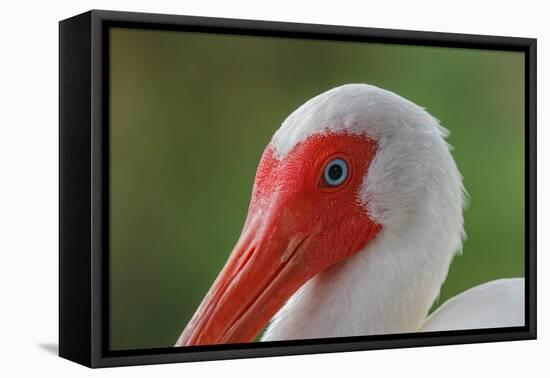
191, 114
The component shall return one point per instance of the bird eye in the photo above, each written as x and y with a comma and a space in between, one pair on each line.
336, 172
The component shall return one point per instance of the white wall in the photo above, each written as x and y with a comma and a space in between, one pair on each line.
28, 185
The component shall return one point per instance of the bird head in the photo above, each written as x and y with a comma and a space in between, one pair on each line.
345, 168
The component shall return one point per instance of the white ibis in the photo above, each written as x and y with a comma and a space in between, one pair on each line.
355, 216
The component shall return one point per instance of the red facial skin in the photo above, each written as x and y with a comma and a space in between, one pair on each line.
297, 226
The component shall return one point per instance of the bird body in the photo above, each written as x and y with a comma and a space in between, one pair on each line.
494, 304
355, 217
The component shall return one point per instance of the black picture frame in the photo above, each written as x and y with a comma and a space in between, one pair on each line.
84, 187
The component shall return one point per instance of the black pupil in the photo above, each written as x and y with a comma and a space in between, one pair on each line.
335, 171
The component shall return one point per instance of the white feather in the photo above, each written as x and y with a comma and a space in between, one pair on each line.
412, 188
494, 304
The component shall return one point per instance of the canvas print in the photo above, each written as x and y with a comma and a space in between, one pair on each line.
266, 189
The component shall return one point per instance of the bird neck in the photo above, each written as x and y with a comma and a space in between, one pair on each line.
388, 287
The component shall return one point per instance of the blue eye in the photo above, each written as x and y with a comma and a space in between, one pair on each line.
336, 172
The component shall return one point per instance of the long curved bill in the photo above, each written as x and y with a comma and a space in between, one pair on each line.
264, 269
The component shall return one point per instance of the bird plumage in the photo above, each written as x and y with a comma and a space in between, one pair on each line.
494, 304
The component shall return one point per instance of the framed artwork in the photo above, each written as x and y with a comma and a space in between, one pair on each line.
234, 188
